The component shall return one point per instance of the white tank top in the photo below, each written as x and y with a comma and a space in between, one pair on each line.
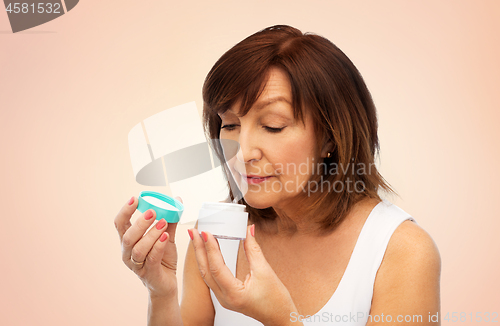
351, 302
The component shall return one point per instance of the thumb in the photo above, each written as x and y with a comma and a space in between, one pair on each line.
254, 253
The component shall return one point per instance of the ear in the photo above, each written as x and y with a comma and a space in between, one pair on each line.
328, 147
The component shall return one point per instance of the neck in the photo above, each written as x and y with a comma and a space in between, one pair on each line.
295, 221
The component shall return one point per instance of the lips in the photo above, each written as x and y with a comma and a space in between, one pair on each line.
253, 179
254, 176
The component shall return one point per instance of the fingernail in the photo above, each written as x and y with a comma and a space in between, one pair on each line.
252, 230
148, 215
204, 236
190, 234
131, 201
161, 224
163, 236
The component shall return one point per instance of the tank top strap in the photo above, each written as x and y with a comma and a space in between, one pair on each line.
356, 287
225, 317
229, 250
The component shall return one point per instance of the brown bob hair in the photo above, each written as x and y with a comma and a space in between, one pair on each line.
327, 84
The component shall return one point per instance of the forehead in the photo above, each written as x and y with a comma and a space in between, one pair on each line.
277, 89
277, 85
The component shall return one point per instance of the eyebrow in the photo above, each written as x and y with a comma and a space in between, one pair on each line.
263, 104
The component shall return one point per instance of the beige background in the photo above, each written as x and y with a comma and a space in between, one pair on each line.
71, 89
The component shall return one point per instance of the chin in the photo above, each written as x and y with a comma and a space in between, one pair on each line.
259, 201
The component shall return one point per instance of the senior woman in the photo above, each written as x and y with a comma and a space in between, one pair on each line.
322, 246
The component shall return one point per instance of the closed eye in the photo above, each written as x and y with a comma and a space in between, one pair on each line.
229, 127
269, 129
274, 130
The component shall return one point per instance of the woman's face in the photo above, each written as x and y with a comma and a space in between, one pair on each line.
277, 150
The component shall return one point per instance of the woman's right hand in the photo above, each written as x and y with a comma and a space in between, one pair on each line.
152, 255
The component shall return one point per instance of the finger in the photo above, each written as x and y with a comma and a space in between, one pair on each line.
135, 233
155, 256
142, 248
201, 258
220, 272
171, 229
253, 252
122, 220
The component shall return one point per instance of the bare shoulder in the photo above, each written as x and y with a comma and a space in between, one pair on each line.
411, 244
407, 281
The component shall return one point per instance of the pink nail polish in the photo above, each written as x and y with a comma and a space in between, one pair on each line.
252, 230
163, 237
204, 236
190, 234
131, 201
148, 215
160, 224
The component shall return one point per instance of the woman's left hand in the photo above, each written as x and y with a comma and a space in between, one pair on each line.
262, 296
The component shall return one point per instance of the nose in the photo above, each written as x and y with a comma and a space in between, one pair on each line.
249, 149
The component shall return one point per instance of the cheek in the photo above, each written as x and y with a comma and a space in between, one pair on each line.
231, 164
295, 159
229, 148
